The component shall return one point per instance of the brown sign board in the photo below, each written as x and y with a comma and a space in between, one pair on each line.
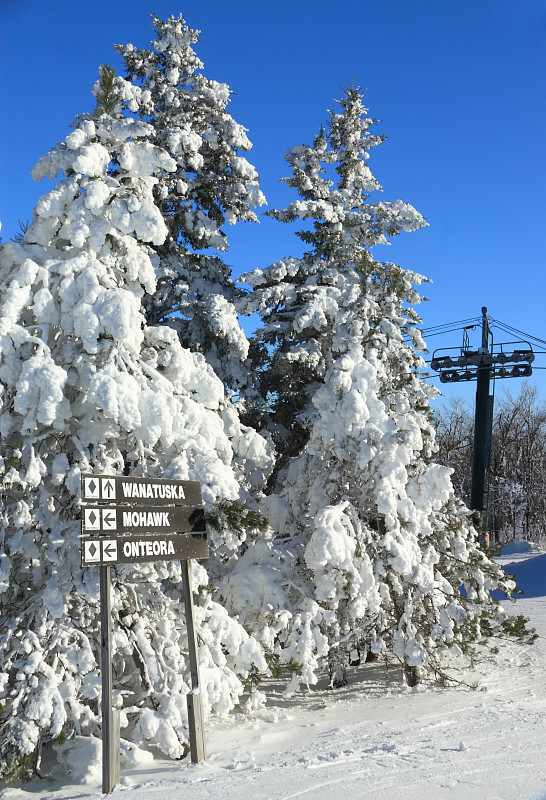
117, 489
140, 519
107, 550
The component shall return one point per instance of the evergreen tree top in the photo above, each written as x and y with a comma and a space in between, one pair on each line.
106, 91
344, 221
211, 187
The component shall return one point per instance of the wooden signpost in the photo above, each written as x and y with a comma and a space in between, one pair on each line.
117, 514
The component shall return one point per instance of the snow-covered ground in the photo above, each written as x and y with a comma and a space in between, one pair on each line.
373, 739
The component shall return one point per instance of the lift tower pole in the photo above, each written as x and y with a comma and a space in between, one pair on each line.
482, 421
481, 365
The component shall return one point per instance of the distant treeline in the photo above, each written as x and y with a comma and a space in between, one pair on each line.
516, 478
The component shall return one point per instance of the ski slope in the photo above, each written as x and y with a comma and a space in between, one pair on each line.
372, 739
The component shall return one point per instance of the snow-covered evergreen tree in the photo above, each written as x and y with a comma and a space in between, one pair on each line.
372, 547
212, 186
300, 300
87, 385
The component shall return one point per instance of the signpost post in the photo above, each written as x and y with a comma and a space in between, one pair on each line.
195, 706
114, 531
110, 732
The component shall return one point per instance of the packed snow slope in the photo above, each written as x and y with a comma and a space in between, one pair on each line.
529, 573
373, 739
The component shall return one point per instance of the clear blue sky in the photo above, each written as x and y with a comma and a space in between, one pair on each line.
459, 89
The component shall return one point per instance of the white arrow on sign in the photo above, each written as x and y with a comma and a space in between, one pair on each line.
109, 520
108, 489
109, 550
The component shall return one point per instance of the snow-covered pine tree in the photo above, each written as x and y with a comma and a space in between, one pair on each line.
87, 385
372, 546
212, 186
299, 299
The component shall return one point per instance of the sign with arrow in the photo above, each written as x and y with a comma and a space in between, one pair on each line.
105, 550
139, 519
154, 491
180, 534
99, 551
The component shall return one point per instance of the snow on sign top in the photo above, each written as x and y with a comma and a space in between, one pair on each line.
158, 491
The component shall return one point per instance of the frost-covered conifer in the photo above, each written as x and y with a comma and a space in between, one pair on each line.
372, 547
212, 186
87, 385
302, 301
